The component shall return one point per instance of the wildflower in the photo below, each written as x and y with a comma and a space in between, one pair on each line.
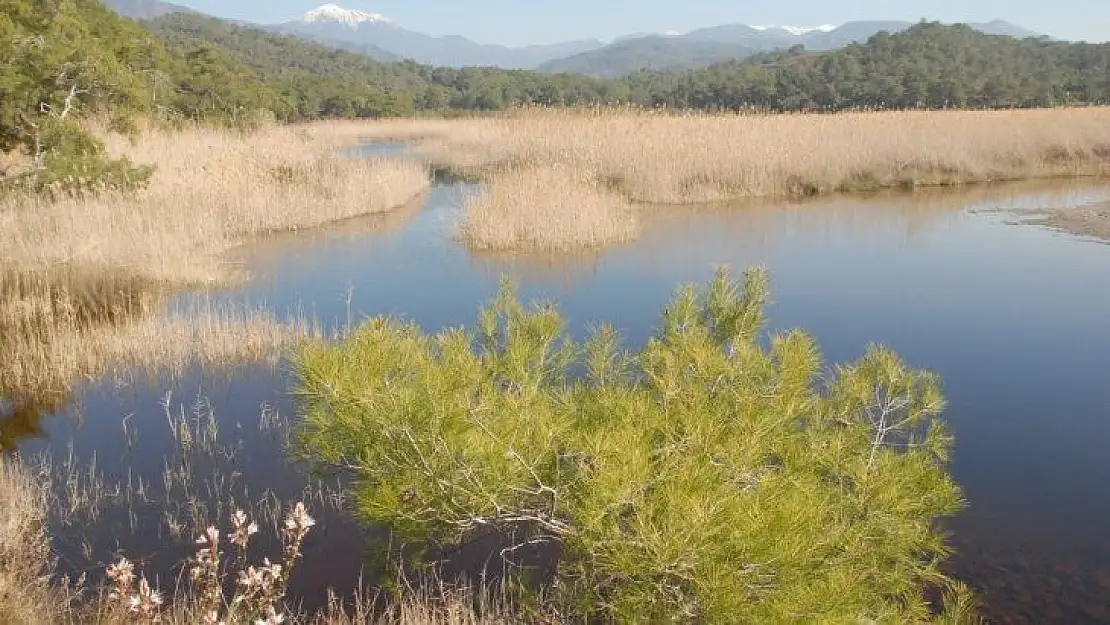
273, 617
298, 520
243, 530
122, 572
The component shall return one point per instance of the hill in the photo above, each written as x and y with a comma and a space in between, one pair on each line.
927, 65
708, 46
324, 81
930, 65
653, 52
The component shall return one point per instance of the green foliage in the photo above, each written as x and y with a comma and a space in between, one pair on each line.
930, 65
713, 475
317, 81
70, 173
61, 60
73, 162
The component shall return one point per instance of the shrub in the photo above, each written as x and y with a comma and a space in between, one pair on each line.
71, 161
713, 475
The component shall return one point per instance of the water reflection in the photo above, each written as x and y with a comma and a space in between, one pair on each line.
21, 420
1012, 318
558, 269
267, 250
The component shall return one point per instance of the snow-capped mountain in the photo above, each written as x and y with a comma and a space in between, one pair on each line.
363, 30
798, 31
334, 13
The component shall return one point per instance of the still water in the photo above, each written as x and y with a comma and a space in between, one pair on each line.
1014, 318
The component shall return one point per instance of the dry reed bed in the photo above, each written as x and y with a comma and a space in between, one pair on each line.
60, 329
682, 159
80, 277
552, 208
212, 190
679, 159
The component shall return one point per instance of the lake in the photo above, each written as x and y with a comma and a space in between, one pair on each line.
1014, 318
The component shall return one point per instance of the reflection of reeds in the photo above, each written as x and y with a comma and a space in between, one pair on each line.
560, 268
273, 248
54, 339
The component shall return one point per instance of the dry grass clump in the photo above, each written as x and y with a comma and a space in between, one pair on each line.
61, 327
211, 191
51, 358
26, 596
701, 158
552, 207
432, 604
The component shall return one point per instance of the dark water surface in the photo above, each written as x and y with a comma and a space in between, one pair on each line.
1015, 319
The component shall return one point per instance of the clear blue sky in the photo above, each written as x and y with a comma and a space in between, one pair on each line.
519, 22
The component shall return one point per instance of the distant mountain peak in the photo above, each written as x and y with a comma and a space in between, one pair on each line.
798, 31
332, 12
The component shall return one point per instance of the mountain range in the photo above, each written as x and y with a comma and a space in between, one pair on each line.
352, 30
706, 46
378, 36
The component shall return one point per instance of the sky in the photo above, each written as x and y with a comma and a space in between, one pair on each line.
522, 22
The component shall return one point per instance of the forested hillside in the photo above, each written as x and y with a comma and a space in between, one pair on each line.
654, 52
320, 81
929, 65
734, 42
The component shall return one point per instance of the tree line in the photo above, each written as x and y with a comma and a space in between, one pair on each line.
930, 65
61, 60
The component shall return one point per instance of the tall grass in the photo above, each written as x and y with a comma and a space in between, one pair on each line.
552, 207
62, 329
212, 190
26, 596
81, 277
698, 158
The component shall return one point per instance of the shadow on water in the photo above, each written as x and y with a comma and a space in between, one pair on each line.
1012, 318
21, 420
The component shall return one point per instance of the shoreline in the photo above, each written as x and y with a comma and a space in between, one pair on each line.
1091, 222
